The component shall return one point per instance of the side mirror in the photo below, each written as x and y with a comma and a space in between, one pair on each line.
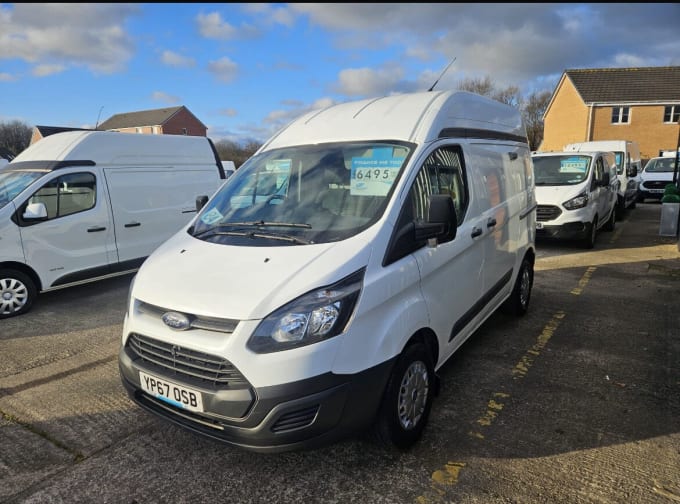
633, 171
35, 211
200, 202
442, 222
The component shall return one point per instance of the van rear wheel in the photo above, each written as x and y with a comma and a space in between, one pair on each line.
518, 302
408, 397
17, 293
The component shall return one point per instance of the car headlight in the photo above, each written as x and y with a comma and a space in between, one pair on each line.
578, 202
313, 317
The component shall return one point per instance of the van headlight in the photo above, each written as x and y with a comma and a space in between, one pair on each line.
313, 317
578, 202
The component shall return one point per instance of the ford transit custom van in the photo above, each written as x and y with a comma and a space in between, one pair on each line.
318, 292
576, 194
80, 206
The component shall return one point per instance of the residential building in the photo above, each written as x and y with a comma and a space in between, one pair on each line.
43, 131
164, 121
639, 104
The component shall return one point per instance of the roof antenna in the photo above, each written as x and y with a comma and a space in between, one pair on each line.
442, 74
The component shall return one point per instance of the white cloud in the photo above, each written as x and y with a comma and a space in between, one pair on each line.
47, 70
174, 59
228, 112
165, 97
5, 77
223, 69
213, 26
90, 35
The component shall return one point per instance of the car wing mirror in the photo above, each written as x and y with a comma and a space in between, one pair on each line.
35, 211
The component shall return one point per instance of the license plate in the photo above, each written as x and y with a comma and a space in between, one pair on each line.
539, 225
656, 191
171, 393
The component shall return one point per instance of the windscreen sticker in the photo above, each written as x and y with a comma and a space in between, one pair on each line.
573, 165
211, 216
374, 176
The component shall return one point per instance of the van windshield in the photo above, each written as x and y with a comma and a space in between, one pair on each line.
304, 194
658, 165
12, 182
561, 170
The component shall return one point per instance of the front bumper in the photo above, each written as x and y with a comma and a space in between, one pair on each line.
291, 416
568, 231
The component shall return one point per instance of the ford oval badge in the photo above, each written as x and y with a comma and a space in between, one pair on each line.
175, 320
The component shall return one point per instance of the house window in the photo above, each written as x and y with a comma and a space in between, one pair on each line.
671, 114
620, 115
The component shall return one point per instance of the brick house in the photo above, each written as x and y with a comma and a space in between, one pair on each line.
639, 104
164, 121
40, 132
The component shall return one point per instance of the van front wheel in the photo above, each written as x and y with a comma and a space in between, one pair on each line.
17, 292
407, 401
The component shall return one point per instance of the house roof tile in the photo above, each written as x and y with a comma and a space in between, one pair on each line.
156, 117
627, 85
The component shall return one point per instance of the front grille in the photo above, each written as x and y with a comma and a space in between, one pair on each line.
656, 184
296, 419
547, 213
206, 368
197, 321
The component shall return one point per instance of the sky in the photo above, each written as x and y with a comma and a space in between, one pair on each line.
246, 70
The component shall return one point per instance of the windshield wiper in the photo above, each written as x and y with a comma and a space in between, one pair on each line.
262, 223
254, 234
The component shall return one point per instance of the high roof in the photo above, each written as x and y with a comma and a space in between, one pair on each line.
627, 85
155, 117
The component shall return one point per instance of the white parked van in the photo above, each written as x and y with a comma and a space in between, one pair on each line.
657, 174
576, 194
628, 165
322, 287
84, 205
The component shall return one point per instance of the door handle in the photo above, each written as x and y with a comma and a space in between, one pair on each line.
133, 224
95, 229
476, 232
491, 222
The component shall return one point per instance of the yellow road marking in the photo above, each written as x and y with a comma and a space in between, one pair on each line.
584, 281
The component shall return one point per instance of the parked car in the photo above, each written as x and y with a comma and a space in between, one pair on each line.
657, 173
576, 194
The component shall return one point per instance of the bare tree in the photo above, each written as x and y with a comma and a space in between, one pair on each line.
533, 108
485, 87
15, 136
229, 150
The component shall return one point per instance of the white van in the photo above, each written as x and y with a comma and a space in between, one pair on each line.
323, 286
576, 194
657, 174
84, 205
628, 166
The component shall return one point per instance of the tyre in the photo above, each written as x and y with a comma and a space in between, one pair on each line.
591, 234
17, 293
406, 404
518, 302
610, 225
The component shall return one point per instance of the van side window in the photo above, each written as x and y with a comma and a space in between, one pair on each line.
443, 172
599, 169
67, 194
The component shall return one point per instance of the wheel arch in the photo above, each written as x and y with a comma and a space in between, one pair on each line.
27, 270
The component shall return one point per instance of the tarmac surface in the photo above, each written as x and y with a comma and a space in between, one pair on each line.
577, 402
